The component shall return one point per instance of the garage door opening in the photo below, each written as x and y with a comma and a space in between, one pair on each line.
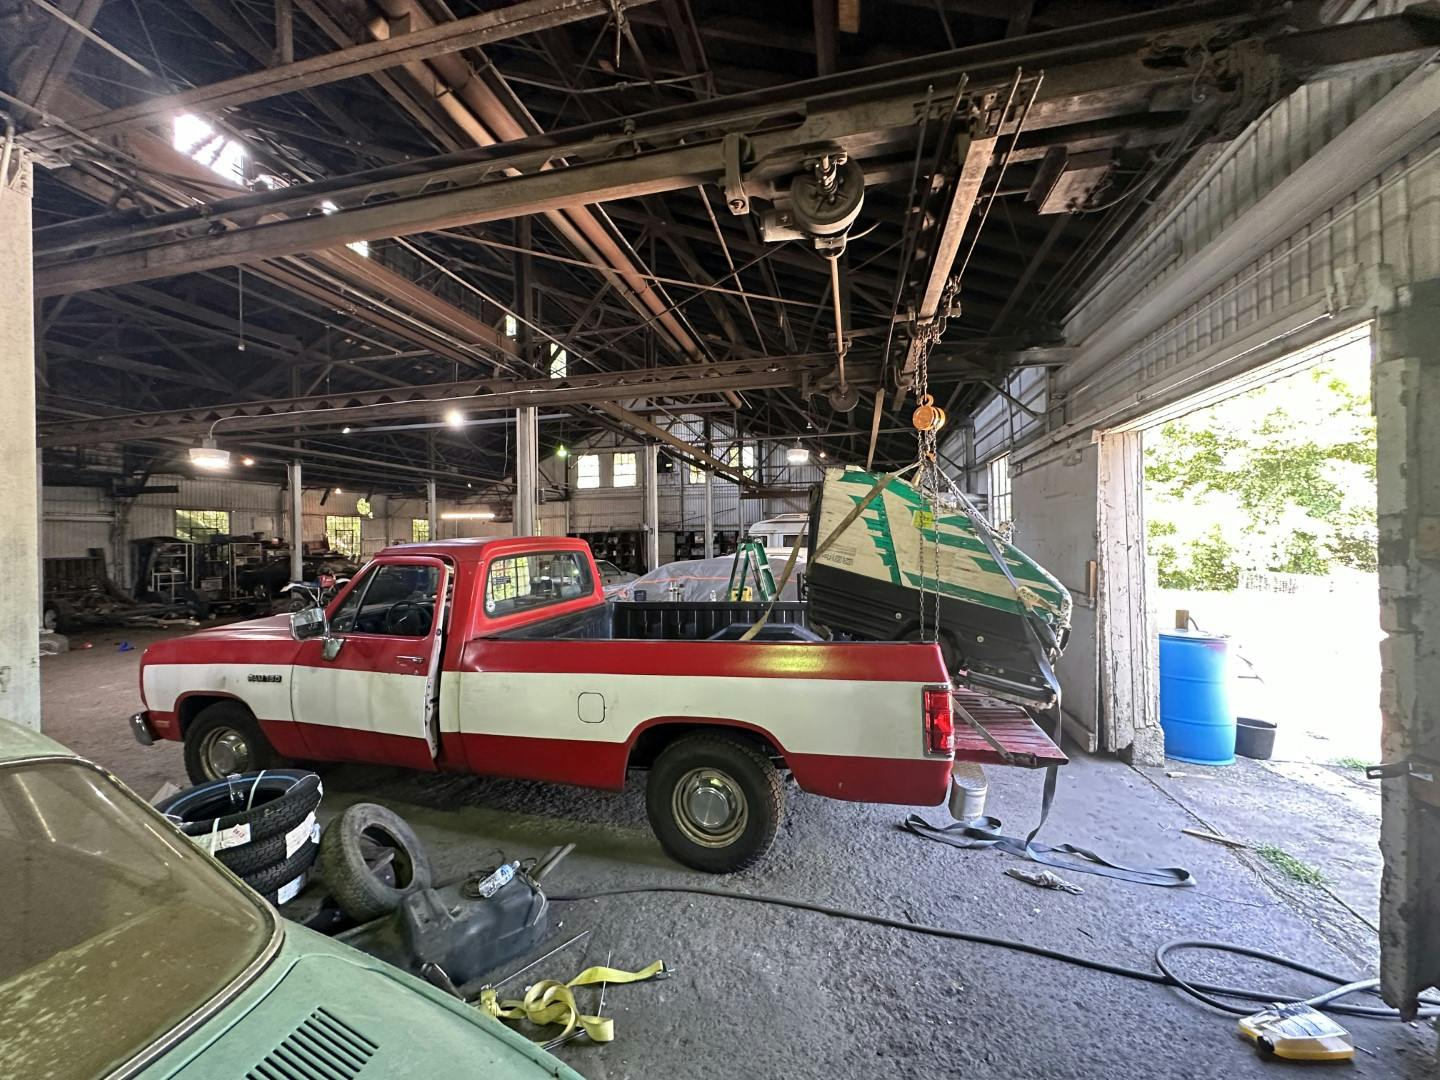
1260, 524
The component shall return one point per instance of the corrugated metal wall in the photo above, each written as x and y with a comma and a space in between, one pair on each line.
1392, 221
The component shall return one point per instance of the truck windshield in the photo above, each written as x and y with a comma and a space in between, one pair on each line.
117, 928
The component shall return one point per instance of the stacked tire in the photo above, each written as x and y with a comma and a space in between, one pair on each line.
261, 826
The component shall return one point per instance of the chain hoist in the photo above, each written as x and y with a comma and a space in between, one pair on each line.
928, 420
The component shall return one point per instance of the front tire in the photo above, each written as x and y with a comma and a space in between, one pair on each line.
226, 739
715, 802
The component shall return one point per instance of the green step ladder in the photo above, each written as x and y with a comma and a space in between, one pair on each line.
750, 557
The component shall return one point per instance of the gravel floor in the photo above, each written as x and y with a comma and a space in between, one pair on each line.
764, 991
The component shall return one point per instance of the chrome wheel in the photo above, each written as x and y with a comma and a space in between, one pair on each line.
225, 751
709, 808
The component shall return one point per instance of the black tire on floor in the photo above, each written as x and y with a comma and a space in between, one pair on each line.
269, 881
370, 860
227, 725
715, 802
260, 855
281, 799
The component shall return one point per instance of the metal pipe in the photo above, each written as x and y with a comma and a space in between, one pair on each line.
432, 511
839, 320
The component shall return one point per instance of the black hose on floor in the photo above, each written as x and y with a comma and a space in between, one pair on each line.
1206, 992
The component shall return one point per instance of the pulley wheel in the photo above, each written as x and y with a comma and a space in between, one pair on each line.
844, 398
822, 214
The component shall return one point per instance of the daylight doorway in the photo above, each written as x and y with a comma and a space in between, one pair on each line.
1260, 523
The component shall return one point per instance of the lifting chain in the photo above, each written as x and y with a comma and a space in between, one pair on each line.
928, 420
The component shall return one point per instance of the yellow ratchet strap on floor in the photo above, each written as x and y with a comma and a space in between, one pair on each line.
551, 1002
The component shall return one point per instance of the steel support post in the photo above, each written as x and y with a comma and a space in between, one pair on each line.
297, 522
527, 471
652, 505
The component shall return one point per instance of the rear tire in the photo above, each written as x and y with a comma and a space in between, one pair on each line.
715, 802
226, 739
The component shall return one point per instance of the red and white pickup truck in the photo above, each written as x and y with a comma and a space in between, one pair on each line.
502, 657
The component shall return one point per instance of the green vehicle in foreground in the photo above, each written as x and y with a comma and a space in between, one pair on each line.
127, 951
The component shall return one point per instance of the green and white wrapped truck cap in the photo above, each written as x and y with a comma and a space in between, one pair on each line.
1003, 619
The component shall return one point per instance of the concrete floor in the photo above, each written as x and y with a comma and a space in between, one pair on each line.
764, 991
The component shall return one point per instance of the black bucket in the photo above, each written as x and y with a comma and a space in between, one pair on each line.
1254, 738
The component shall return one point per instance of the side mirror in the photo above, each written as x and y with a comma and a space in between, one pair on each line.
310, 622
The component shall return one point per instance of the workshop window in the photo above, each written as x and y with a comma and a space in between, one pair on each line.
419, 530
559, 362
198, 526
742, 457
342, 533
521, 582
694, 474
623, 470
587, 471
1001, 508
512, 326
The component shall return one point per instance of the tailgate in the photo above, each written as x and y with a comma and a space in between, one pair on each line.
994, 732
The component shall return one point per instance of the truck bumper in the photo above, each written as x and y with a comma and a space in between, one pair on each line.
140, 728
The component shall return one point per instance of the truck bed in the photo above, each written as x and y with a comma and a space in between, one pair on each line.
658, 620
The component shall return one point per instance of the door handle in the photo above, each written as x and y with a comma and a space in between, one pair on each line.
411, 659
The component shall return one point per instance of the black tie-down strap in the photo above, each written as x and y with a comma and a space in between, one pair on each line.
985, 832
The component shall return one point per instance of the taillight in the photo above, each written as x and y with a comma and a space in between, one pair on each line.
939, 721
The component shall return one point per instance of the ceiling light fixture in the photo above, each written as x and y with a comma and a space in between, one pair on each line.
455, 418
468, 515
797, 455
247, 461
209, 456
344, 431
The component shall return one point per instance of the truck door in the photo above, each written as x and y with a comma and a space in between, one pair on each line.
369, 691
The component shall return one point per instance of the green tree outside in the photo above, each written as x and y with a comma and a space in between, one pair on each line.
1281, 478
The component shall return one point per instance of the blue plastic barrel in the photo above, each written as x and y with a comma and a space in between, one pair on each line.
1196, 712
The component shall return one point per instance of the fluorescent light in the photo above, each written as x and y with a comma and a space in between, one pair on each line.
209, 456
455, 418
797, 455
468, 515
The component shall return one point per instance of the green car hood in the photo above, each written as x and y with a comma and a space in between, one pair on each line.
323, 1009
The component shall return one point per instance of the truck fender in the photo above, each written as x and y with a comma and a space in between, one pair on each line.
653, 735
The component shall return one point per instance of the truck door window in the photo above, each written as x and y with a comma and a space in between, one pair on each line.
522, 582
395, 599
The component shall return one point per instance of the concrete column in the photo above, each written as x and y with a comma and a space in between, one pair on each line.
19, 504
297, 522
527, 471
652, 505
432, 510
1407, 420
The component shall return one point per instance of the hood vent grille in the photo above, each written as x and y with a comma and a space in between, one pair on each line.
323, 1047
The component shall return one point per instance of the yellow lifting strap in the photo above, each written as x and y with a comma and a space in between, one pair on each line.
552, 1002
